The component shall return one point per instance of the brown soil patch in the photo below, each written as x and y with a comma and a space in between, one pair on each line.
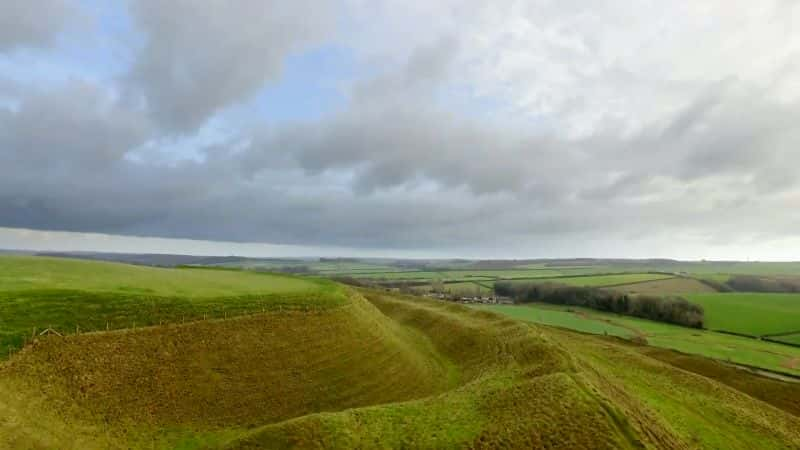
792, 363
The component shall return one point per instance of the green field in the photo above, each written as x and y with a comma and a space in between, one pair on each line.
789, 339
72, 295
462, 274
753, 314
339, 367
558, 317
36, 273
670, 286
603, 280
468, 288
719, 346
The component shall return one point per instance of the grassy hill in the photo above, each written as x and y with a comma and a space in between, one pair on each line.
38, 273
362, 369
69, 296
723, 347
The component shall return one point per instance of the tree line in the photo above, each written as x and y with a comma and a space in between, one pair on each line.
674, 310
752, 283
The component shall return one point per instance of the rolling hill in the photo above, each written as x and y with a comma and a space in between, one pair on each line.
313, 364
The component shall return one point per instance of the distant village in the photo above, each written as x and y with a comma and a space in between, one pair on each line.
468, 299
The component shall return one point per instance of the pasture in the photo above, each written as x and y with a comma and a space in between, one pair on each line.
468, 289
668, 286
753, 314
603, 280
719, 346
71, 296
453, 275
793, 339
350, 368
19, 274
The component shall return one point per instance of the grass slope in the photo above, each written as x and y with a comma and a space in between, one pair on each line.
724, 347
71, 295
559, 317
19, 274
542, 389
233, 374
793, 339
371, 370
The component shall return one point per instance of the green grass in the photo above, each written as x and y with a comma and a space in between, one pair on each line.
740, 350
557, 317
714, 268
753, 314
427, 275
380, 371
603, 280
37, 273
485, 274
789, 339
72, 295
468, 288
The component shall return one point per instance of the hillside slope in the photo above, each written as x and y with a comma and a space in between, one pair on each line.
372, 369
231, 374
531, 387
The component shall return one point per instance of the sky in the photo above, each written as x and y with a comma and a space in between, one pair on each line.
504, 129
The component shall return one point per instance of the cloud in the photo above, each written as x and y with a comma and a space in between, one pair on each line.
34, 23
202, 56
533, 126
79, 125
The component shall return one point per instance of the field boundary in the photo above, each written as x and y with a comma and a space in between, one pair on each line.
790, 344
639, 282
788, 333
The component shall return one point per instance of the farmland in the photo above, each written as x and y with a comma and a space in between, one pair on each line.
468, 288
793, 339
747, 313
668, 286
724, 347
67, 296
719, 271
38, 273
607, 280
752, 314
279, 361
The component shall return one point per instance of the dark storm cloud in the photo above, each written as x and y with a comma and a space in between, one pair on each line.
201, 56
34, 23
